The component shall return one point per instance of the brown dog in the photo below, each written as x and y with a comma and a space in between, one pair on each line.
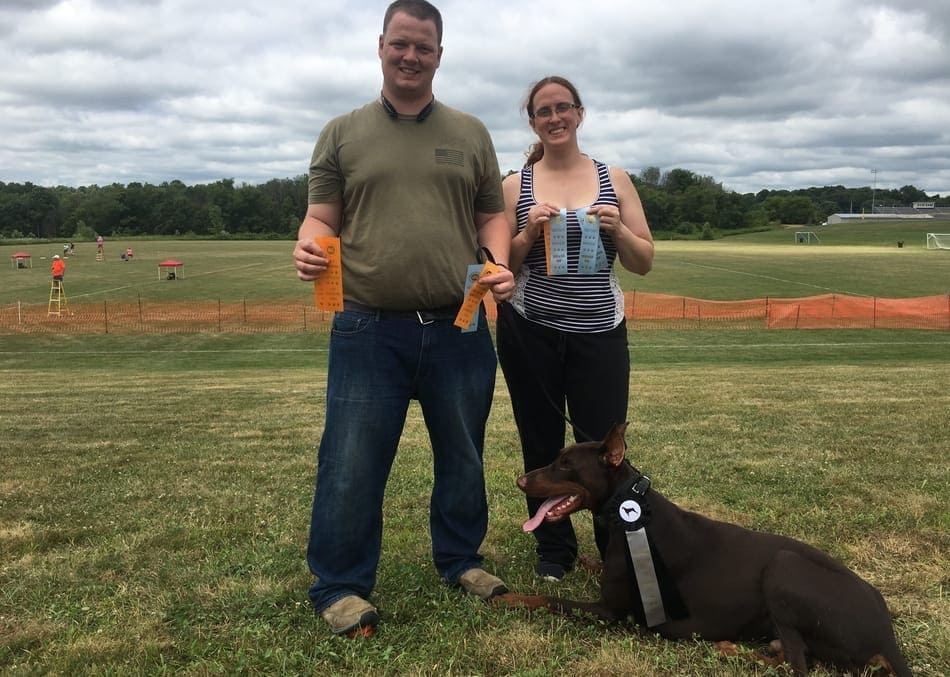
685, 575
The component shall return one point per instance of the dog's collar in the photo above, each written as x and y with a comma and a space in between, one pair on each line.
628, 507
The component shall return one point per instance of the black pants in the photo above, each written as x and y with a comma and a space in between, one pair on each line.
545, 369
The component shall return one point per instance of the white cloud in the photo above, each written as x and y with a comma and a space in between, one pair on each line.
756, 95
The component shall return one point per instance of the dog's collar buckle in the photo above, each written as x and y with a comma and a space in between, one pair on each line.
641, 486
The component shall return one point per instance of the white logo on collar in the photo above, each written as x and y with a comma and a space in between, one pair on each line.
629, 511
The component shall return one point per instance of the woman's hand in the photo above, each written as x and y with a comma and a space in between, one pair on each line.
538, 215
610, 221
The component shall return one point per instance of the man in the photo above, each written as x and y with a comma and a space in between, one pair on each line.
412, 188
58, 269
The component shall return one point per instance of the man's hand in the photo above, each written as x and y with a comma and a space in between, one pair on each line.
309, 260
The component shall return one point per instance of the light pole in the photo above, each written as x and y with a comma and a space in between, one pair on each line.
874, 189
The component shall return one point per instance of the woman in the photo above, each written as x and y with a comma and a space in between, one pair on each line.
563, 338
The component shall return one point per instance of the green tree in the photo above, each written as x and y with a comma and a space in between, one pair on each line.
790, 209
100, 207
678, 180
173, 212
84, 232
650, 176
216, 219
730, 210
676, 201
696, 204
909, 195
29, 208
656, 207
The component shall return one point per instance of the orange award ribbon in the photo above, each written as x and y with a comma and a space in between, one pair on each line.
328, 287
547, 246
468, 313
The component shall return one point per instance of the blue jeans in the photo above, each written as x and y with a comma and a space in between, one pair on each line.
376, 366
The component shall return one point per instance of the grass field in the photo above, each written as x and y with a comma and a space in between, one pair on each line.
155, 490
852, 259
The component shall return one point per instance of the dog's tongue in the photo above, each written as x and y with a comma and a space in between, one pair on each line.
535, 521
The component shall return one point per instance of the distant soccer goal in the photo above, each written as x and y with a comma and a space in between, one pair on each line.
807, 237
938, 240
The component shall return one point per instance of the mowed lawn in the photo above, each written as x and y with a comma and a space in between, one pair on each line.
852, 259
155, 490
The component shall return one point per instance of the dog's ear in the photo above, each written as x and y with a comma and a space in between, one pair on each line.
615, 445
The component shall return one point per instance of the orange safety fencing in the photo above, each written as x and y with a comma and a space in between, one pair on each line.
827, 311
643, 311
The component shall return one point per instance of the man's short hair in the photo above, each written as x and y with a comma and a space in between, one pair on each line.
418, 9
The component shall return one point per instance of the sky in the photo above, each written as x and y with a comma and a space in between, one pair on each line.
756, 94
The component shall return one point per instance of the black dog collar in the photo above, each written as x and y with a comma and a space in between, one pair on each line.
628, 508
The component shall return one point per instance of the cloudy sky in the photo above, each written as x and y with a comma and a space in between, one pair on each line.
755, 93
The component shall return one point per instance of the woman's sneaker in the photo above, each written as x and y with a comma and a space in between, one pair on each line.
550, 571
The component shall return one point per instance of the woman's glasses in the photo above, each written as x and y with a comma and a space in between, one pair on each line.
560, 109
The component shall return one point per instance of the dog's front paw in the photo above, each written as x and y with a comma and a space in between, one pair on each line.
727, 649
591, 565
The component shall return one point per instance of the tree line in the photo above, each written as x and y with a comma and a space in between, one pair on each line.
678, 202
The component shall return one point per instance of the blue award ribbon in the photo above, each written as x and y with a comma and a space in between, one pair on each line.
592, 255
471, 277
558, 253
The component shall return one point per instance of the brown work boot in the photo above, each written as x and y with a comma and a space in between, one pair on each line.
351, 615
481, 583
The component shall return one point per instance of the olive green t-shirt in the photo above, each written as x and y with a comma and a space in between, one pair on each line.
410, 191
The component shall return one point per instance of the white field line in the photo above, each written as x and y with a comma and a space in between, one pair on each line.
156, 281
776, 279
714, 346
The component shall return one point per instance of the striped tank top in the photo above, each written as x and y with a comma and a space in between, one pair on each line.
573, 302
